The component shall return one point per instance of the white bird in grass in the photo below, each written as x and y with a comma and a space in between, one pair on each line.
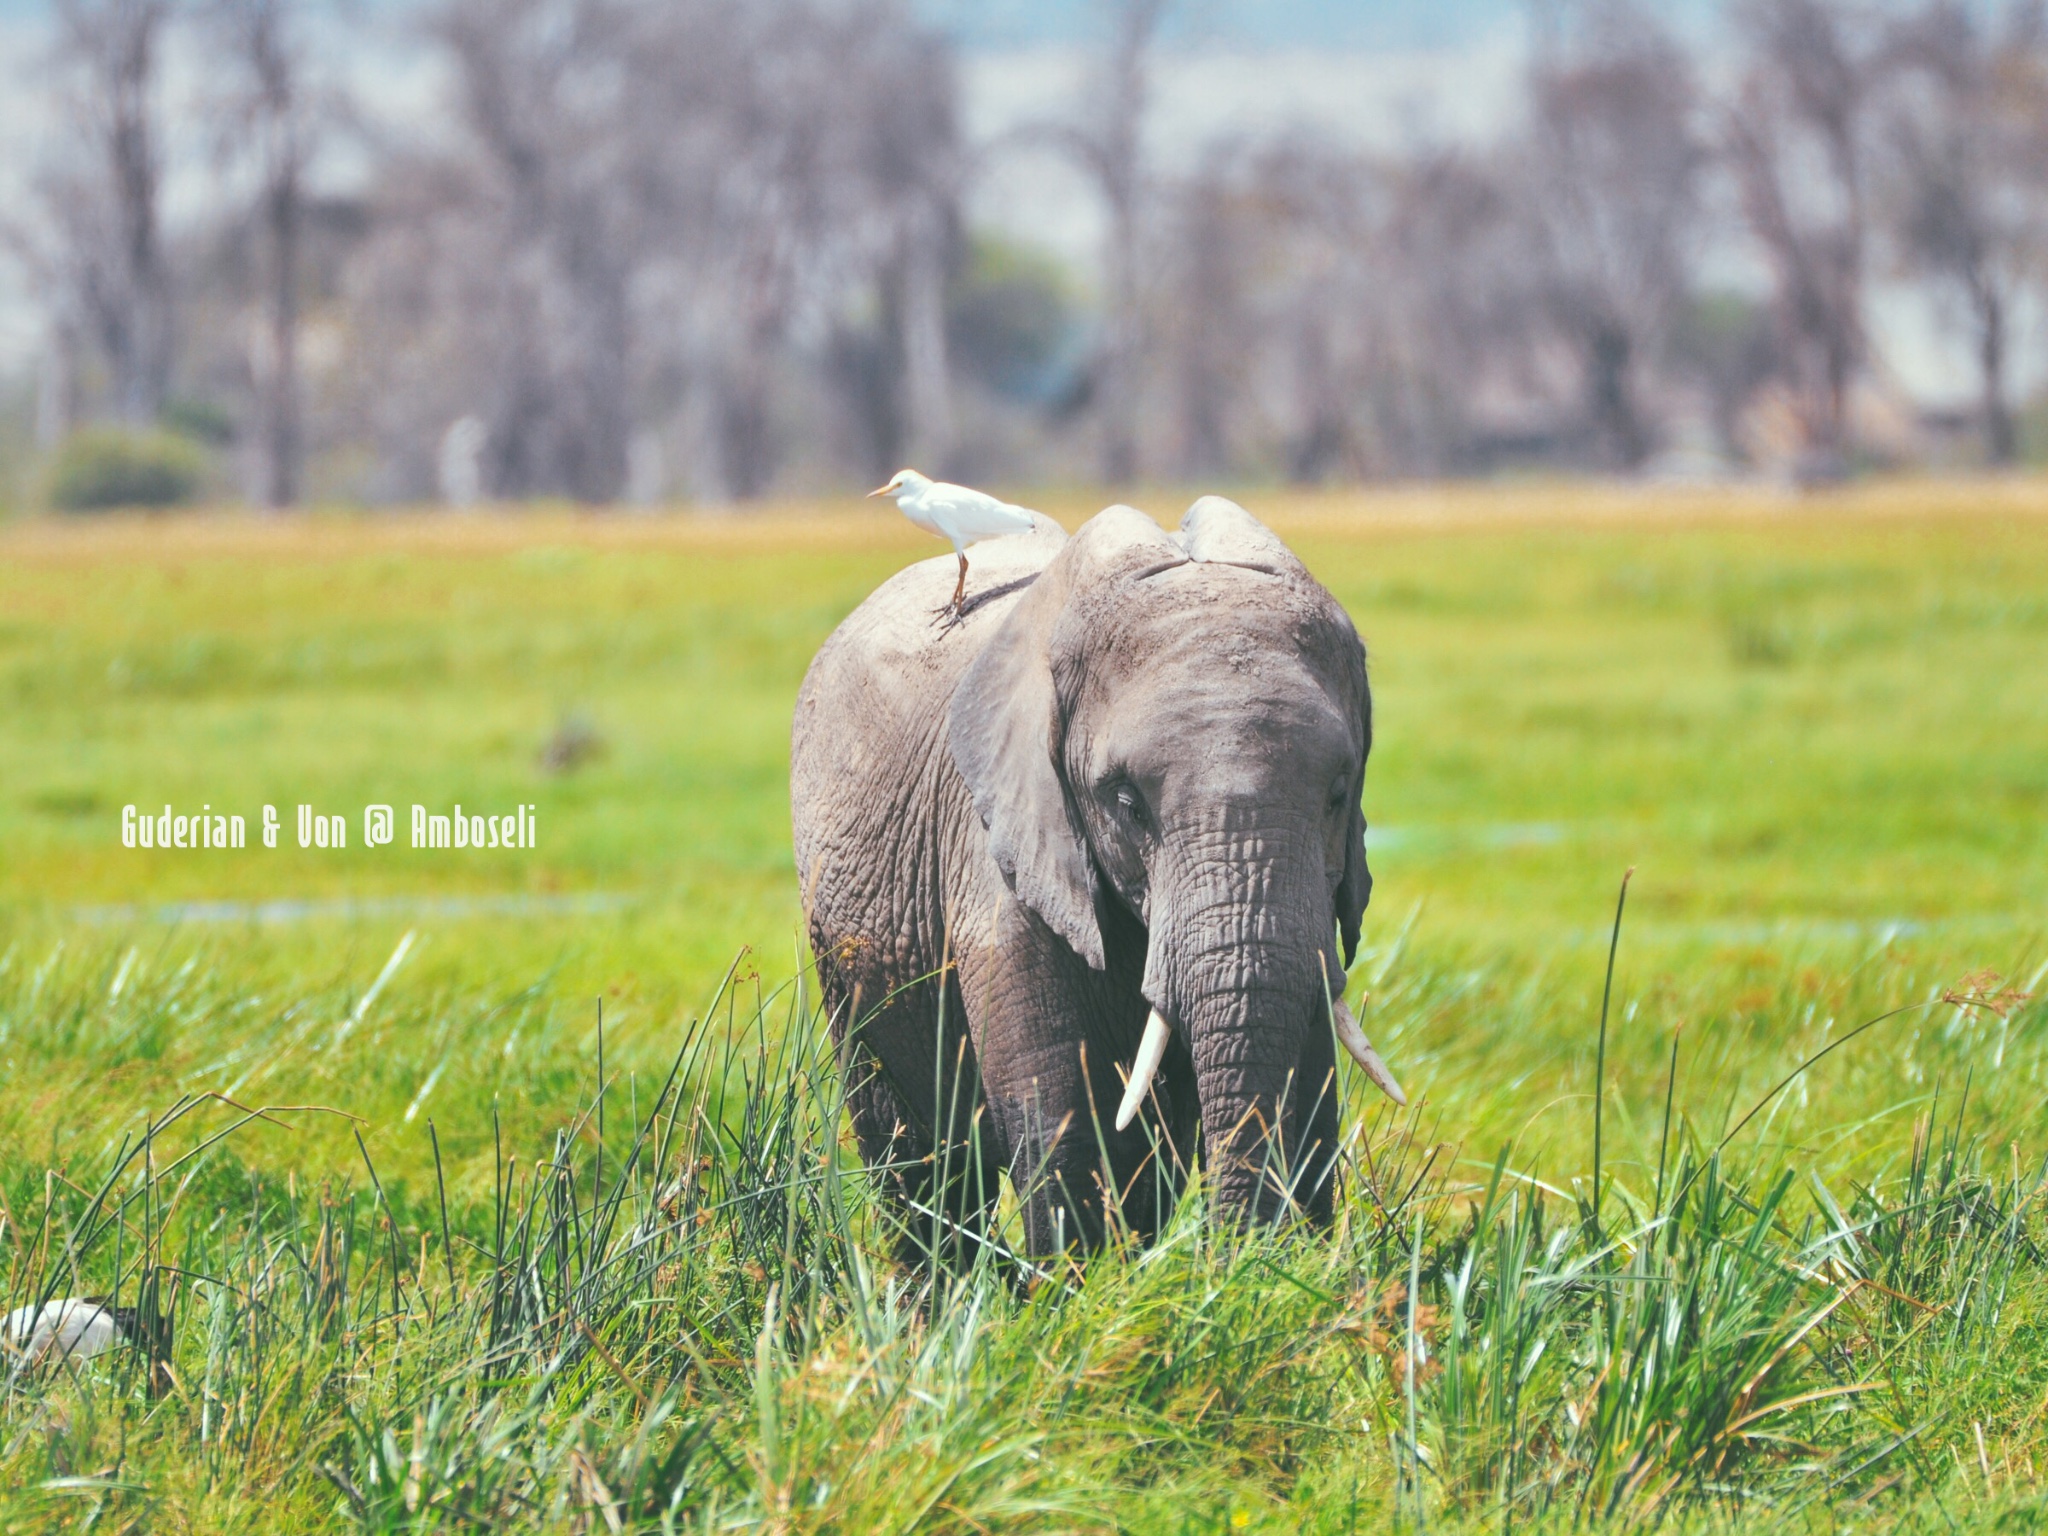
68, 1328
956, 513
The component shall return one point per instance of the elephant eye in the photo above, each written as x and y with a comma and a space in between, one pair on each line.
1339, 793
1131, 803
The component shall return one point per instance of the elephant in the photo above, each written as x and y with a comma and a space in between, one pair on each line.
1107, 822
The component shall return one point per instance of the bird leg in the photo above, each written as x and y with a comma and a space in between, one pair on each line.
950, 613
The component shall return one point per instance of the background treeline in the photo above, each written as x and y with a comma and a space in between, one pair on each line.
718, 249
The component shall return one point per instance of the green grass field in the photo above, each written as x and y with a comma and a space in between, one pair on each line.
1817, 729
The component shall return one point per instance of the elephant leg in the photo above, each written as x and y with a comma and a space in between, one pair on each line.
1077, 1177
1052, 1035
914, 1095
1170, 1126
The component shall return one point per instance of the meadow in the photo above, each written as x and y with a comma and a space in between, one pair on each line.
508, 1188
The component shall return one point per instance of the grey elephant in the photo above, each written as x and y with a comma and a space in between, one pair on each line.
1082, 872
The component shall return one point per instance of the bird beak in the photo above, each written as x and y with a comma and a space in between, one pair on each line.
883, 490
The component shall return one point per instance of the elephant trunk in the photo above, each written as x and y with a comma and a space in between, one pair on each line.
1239, 965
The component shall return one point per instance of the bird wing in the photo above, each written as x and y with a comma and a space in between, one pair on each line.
913, 507
970, 514
68, 1327
20, 1326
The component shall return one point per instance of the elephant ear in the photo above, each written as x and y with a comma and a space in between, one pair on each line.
1217, 531
1006, 727
1354, 891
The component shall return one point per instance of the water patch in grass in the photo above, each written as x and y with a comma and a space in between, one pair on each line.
1505, 834
285, 909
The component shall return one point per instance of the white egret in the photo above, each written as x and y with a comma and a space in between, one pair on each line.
68, 1328
956, 513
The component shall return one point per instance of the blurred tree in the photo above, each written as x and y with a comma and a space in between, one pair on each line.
1966, 173
719, 218
1011, 319
1611, 193
1327, 313
270, 115
101, 468
94, 243
727, 236
1215, 234
1725, 341
889, 222
1461, 317
1798, 139
1107, 139
537, 84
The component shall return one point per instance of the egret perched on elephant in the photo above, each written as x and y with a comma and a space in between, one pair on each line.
956, 513
1082, 874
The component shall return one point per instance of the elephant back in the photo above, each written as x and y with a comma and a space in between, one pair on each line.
871, 712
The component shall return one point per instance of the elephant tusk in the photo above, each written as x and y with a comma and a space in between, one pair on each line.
1151, 1051
1352, 1038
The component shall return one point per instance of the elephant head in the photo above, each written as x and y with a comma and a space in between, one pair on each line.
1178, 725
